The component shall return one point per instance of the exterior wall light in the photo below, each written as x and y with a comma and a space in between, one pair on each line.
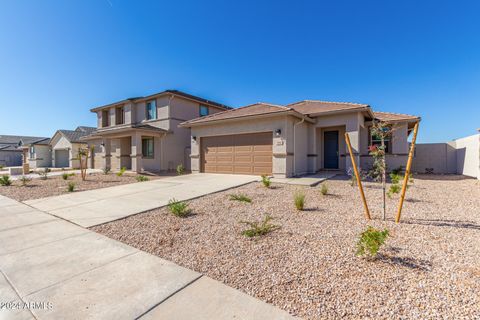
278, 133
194, 138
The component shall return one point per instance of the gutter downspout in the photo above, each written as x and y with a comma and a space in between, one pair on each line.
294, 144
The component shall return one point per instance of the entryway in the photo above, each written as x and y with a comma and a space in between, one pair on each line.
330, 149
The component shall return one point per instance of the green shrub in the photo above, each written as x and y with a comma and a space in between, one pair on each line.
266, 181
65, 176
259, 228
240, 197
178, 208
180, 169
1, 166
25, 180
5, 180
370, 241
106, 170
141, 178
44, 173
299, 199
324, 189
71, 186
121, 172
398, 170
395, 178
394, 189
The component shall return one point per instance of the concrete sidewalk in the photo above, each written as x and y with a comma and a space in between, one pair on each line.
93, 207
79, 274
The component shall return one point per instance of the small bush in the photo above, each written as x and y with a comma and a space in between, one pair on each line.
44, 173
1, 166
266, 181
106, 170
65, 176
259, 228
25, 180
370, 241
394, 189
398, 170
71, 186
5, 180
178, 208
180, 169
299, 199
395, 178
121, 172
324, 189
141, 178
240, 197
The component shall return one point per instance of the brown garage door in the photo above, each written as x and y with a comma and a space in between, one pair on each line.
241, 154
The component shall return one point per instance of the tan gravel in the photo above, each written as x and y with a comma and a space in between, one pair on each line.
429, 269
55, 185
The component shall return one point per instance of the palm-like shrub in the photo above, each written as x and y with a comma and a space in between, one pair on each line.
256, 229
299, 199
5, 180
178, 208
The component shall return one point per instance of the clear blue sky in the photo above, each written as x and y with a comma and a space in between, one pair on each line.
59, 58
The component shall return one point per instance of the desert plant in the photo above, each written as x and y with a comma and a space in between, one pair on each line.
259, 228
178, 208
25, 180
82, 156
106, 170
65, 176
324, 189
1, 166
180, 169
141, 178
299, 199
370, 241
122, 171
394, 188
44, 173
398, 170
240, 197
5, 180
266, 181
71, 186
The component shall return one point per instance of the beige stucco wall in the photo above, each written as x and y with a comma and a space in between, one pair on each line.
441, 157
42, 157
468, 156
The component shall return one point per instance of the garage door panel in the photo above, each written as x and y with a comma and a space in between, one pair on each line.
243, 154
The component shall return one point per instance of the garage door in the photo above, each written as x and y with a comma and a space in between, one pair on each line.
240, 154
62, 159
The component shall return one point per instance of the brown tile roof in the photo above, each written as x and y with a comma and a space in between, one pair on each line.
317, 107
255, 109
390, 116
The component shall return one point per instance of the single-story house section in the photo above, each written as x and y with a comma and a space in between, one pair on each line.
37, 154
142, 133
11, 149
299, 138
65, 145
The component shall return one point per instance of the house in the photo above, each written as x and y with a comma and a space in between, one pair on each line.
65, 145
299, 138
142, 134
11, 148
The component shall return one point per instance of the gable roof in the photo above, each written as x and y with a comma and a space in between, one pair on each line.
393, 117
317, 107
169, 91
85, 129
256, 109
10, 139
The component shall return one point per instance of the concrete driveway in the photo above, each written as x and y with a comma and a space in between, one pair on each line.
93, 207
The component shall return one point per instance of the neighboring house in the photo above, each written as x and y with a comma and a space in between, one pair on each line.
299, 138
142, 134
65, 145
11, 148
38, 154
459, 156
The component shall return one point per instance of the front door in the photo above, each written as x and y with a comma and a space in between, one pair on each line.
330, 149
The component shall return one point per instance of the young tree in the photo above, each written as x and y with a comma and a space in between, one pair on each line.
381, 131
83, 154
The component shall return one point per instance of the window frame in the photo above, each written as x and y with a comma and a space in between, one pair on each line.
119, 111
378, 142
200, 107
105, 118
144, 147
155, 114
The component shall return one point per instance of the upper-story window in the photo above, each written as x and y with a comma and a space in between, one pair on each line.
119, 115
203, 111
151, 110
105, 118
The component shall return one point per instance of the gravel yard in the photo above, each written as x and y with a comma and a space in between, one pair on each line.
429, 268
55, 185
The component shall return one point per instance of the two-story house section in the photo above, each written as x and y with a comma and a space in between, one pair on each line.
142, 134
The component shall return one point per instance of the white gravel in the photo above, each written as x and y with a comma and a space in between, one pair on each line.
429, 269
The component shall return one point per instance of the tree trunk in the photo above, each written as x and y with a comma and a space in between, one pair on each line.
384, 179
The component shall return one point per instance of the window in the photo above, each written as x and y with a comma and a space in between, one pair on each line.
147, 147
119, 115
203, 111
32, 152
105, 118
151, 110
377, 141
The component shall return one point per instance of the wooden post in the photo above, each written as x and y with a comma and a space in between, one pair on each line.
407, 173
357, 175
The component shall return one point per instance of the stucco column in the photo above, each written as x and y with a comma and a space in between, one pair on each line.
353, 130
136, 154
107, 153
